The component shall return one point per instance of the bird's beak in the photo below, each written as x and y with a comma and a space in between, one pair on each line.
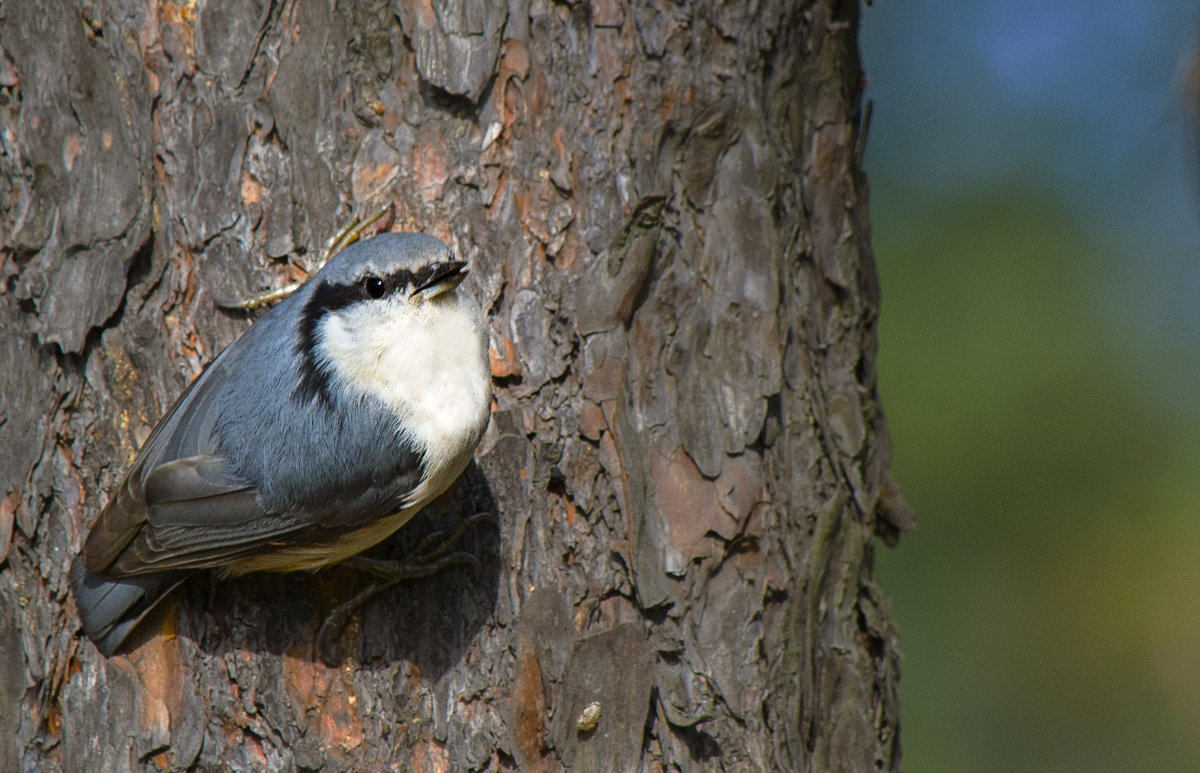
441, 278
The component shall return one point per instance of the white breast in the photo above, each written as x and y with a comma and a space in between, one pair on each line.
428, 361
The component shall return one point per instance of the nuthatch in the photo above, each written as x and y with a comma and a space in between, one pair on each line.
320, 431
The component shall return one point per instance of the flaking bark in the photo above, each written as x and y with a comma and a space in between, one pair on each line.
688, 460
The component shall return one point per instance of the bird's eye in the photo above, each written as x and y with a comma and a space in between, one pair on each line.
374, 286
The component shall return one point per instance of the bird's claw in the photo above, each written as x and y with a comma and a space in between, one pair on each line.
346, 235
433, 554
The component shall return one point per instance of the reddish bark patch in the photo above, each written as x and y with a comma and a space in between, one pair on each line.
528, 707
688, 501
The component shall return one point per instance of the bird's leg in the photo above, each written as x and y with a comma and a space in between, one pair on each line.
346, 235
434, 553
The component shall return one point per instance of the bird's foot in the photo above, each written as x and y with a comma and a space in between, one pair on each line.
346, 235
433, 554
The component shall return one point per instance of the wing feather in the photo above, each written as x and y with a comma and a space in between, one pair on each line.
180, 505
198, 514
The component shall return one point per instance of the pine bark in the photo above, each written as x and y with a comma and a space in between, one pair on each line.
666, 221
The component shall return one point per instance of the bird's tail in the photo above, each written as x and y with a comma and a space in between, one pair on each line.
111, 609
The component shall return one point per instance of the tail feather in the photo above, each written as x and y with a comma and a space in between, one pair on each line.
111, 609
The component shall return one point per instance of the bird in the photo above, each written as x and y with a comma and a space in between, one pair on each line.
318, 432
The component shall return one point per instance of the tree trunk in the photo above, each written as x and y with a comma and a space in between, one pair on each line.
666, 222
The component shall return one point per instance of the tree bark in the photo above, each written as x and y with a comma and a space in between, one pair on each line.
666, 221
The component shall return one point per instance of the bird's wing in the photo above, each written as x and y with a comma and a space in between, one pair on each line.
180, 505
200, 516
185, 430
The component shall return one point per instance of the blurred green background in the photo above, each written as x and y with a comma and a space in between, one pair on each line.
1034, 202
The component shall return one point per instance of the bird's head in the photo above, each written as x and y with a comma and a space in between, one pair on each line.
380, 305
